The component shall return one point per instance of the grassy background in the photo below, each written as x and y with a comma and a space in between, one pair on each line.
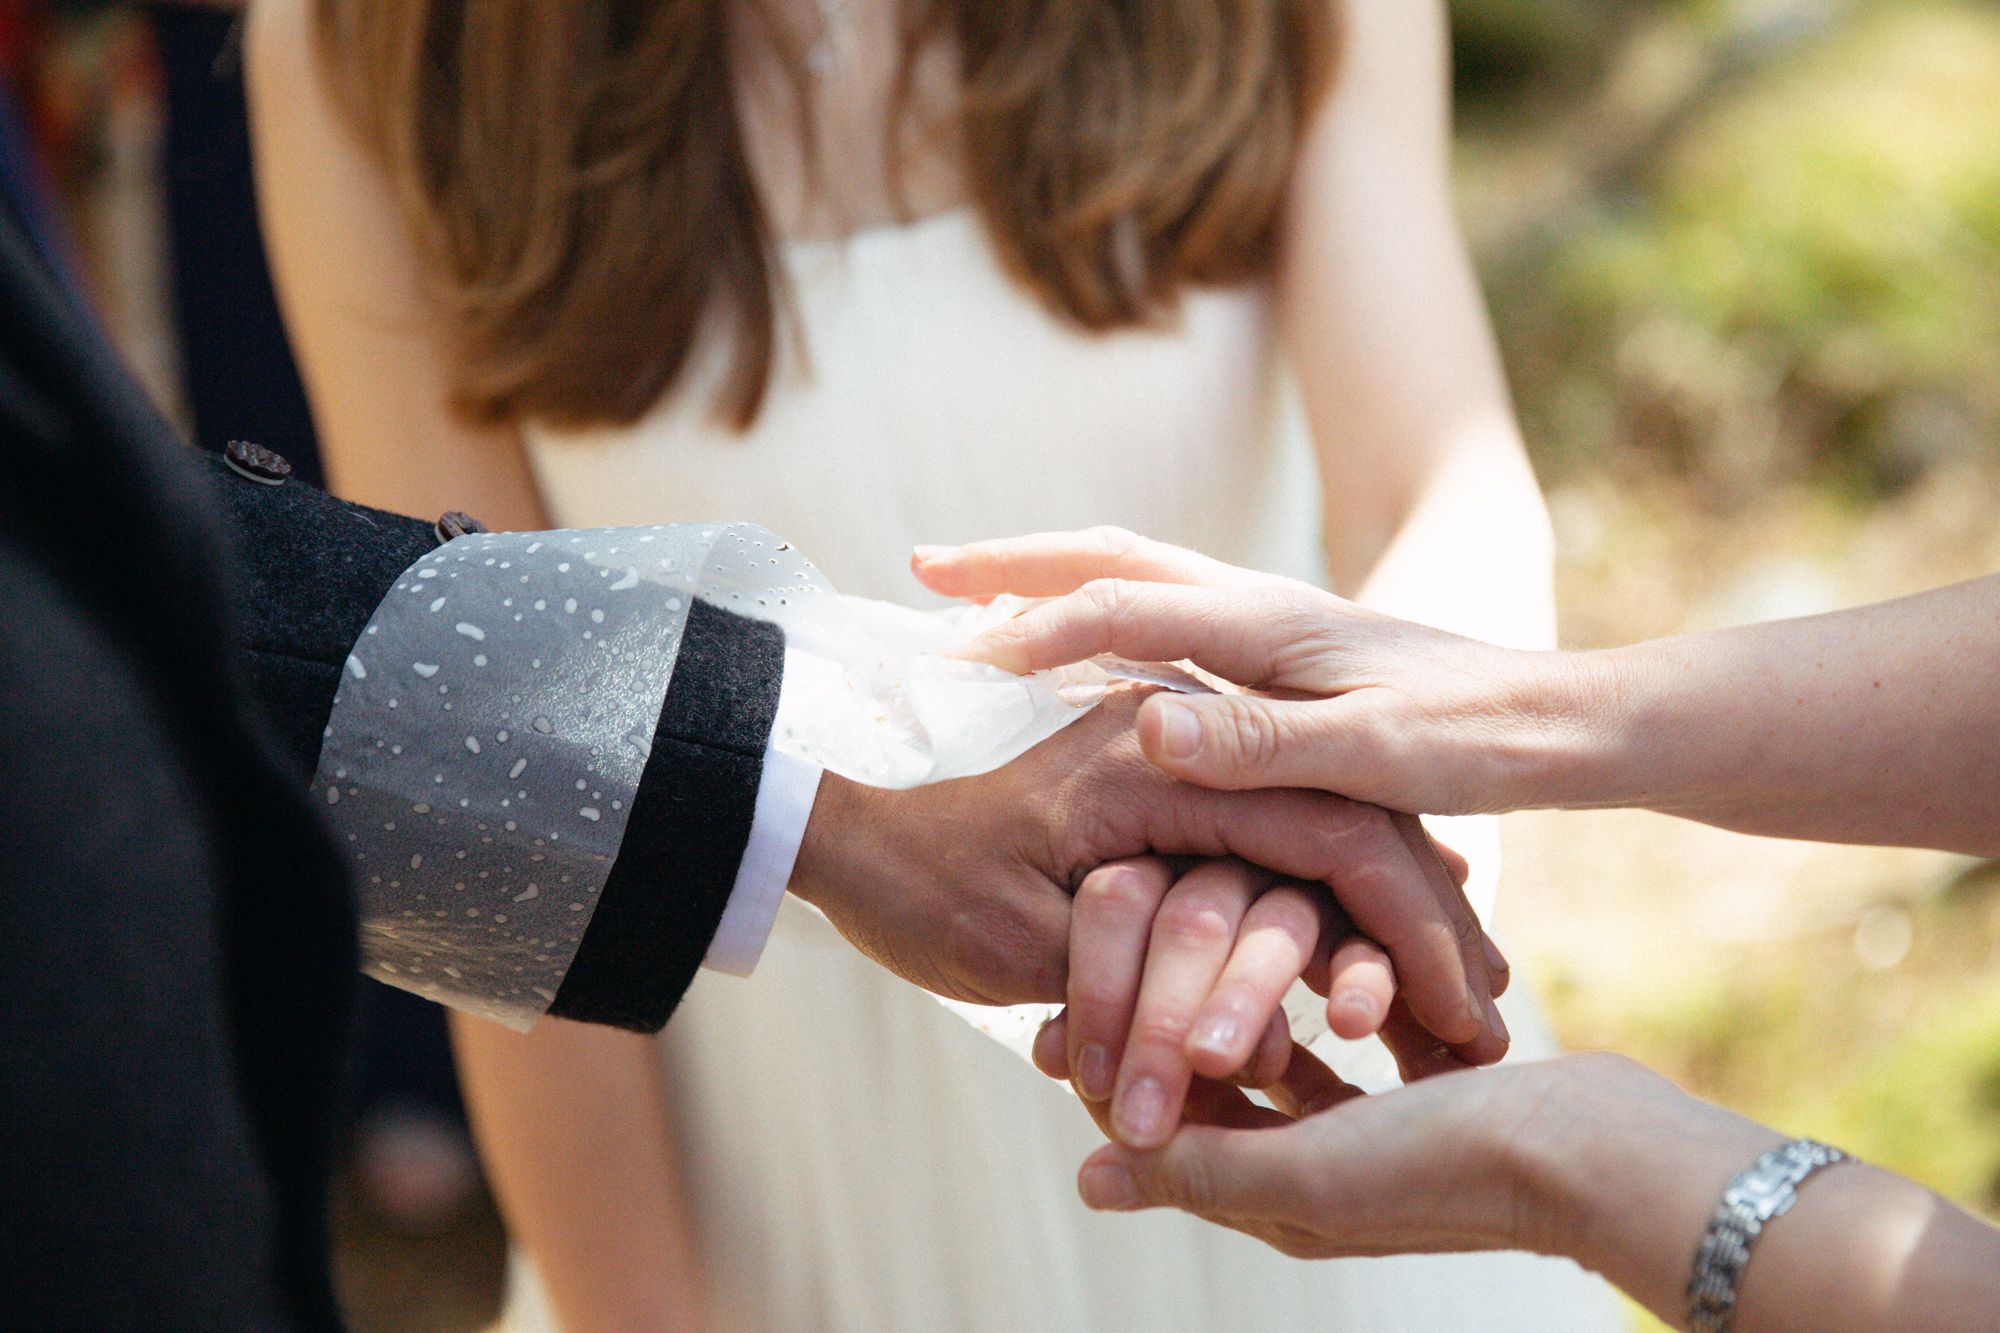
1745, 263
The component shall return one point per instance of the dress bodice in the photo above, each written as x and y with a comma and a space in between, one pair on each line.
921, 395
926, 1182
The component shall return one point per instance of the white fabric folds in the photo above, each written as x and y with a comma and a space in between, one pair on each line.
870, 697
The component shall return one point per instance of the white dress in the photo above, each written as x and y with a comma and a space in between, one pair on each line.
858, 1158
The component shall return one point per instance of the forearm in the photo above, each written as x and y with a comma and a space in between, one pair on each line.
641, 725
1866, 1249
1878, 725
308, 572
575, 1129
1471, 552
1863, 1249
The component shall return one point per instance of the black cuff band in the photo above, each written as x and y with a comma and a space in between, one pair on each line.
690, 822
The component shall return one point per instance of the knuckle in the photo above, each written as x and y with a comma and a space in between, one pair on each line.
1389, 761
1090, 998
1250, 734
1118, 893
1160, 1030
1353, 841
1113, 541
1193, 921
1603, 1066
1191, 1184
1106, 596
1318, 1194
1294, 909
1297, 612
1294, 608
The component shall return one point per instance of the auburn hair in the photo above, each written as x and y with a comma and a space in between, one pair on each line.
573, 171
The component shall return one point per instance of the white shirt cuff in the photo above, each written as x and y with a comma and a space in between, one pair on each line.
777, 827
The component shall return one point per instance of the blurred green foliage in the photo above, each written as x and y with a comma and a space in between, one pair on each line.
1898, 1063
1744, 260
1799, 281
1503, 46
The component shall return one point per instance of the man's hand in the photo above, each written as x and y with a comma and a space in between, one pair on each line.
1404, 715
965, 887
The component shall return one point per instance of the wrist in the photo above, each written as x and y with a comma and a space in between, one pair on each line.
1565, 710
831, 830
1620, 1170
1583, 710
844, 843
1539, 1157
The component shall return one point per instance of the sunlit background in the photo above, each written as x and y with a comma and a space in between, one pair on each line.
1745, 261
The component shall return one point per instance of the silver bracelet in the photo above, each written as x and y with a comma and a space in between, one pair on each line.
1767, 1190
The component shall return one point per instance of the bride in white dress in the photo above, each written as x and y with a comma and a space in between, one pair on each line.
822, 1147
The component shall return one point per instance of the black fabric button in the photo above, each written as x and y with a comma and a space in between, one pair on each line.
458, 523
256, 462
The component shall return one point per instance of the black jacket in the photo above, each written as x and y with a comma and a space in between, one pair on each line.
177, 939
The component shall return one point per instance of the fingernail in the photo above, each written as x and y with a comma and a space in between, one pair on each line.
1095, 1072
1108, 1187
1218, 1035
1494, 1021
1494, 958
1180, 730
1140, 1112
924, 553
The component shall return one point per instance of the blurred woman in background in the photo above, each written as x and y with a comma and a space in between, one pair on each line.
873, 274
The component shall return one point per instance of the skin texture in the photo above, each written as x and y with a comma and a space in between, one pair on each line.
1178, 974
1876, 725
984, 913
1432, 510
1590, 1157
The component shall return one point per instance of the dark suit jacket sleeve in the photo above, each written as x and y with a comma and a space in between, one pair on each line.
313, 569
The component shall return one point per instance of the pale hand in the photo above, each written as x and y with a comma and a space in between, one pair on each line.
1377, 709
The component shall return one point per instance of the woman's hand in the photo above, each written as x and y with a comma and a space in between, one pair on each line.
1396, 713
1173, 976
1177, 980
1590, 1157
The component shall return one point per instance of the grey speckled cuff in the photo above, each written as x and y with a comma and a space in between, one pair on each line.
490, 732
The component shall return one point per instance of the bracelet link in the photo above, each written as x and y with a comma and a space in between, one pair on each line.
1767, 1190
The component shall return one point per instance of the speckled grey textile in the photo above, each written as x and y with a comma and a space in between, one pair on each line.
489, 736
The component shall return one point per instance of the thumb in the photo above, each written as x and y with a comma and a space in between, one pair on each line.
1235, 1175
1239, 742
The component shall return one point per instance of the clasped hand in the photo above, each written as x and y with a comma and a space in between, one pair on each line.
1177, 978
970, 889
1177, 970
1057, 878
